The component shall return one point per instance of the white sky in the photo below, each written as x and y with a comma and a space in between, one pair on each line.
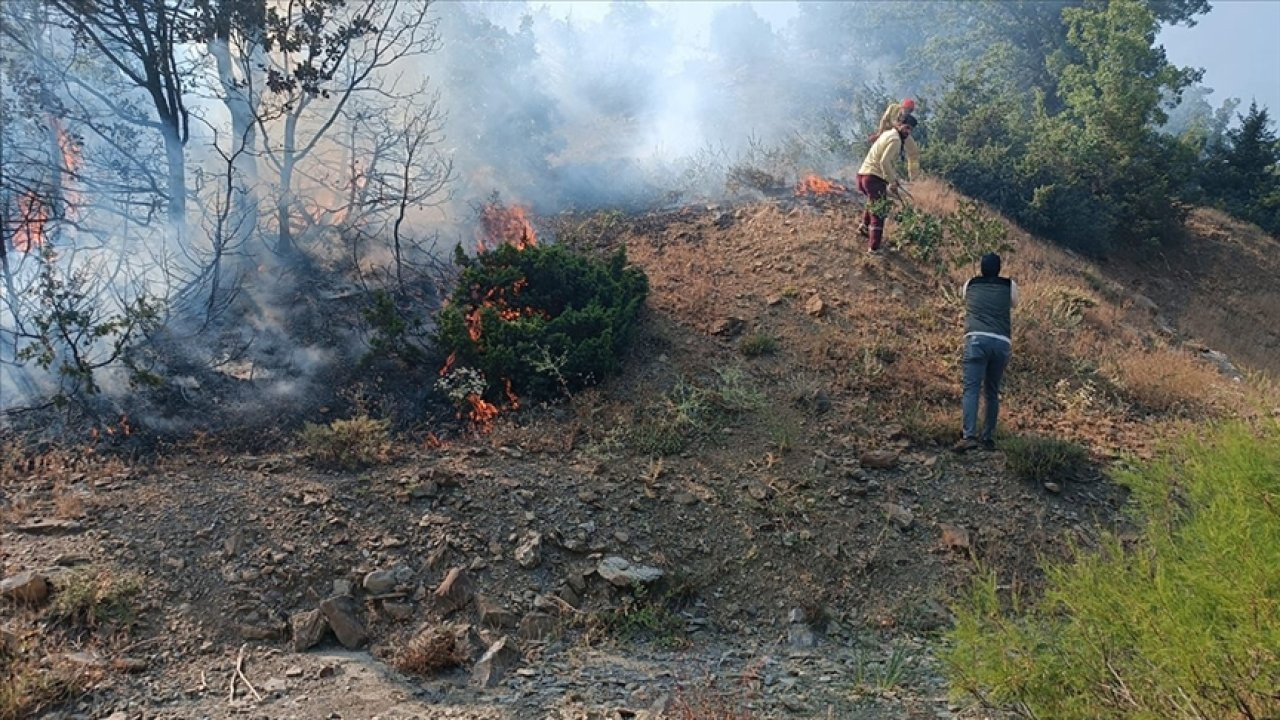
1237, 42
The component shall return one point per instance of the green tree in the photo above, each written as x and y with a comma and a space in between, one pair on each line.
1243, 174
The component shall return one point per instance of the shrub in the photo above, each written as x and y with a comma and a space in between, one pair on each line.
433, 649
515, 308
350, 443
93, 598
1041, 459
757, 345
1186, 624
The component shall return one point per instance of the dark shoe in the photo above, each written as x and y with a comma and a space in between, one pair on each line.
964, 445
988, 445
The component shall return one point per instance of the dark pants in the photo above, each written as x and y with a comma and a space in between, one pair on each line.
874, 188
985, 359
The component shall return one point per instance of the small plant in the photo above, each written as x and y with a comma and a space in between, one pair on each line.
649, 616
27, 687
758, 345
736, 393
433, 649
94, 598
77, 331
1041, 459
918, 233
668, 426
349, 444
881, 677
972, 233
395, 331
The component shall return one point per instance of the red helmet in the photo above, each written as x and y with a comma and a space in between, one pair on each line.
908, 104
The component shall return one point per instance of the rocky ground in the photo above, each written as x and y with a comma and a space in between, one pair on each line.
795, 560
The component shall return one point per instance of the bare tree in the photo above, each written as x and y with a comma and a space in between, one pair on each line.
322, 55
140, 39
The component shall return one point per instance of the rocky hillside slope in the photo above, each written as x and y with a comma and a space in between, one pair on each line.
758, 519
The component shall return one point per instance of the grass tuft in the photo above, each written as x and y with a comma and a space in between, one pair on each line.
1043, 459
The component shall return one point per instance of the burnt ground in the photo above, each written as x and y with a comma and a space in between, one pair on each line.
811, 539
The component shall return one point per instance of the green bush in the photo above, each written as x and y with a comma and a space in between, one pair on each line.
546, 319
1186, 624
1041, 459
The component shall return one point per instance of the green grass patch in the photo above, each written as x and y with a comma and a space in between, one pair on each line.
1183, 624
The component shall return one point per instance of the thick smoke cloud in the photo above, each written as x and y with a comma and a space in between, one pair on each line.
560, 106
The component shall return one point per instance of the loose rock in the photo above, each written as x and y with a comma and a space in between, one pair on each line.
340, 611
308, 628
879, 459
621, 572
379, 582
26, 587
455, 591
537, 626
496, 662
900, 516
493, 615
954, 538
529, 552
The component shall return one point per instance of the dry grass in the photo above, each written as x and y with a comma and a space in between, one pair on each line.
1164, 381
350, 444
433, 649
29, 687
96, 600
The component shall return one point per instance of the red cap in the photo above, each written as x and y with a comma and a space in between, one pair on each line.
908, 104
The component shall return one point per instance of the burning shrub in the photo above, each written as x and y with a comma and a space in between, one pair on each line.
348, 443
541, 320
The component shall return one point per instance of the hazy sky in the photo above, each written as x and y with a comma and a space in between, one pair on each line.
1238, 45
1237, 42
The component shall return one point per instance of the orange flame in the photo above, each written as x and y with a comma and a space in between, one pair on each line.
505, 225
32, 217
814, 185
448, 364
512, 399
482, 413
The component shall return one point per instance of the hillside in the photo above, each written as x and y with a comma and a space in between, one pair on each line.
776, 445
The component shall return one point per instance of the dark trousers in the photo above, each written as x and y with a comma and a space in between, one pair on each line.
874, 188
985, 359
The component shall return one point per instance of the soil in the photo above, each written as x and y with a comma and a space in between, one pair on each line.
810, 545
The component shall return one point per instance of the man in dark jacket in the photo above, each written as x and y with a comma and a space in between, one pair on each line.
989, 300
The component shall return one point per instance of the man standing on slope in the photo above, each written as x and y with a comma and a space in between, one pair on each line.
878, 175
988, 299
893, 114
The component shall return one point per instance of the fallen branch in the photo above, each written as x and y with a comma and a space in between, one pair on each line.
245, 680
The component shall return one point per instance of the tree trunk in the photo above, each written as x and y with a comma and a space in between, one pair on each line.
284, 200
244, 144
176, 156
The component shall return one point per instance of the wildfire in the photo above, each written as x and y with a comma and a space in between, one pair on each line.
33, 215
501, 225
814, 185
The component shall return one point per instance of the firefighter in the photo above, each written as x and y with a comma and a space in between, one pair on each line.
878, 176
910, 150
